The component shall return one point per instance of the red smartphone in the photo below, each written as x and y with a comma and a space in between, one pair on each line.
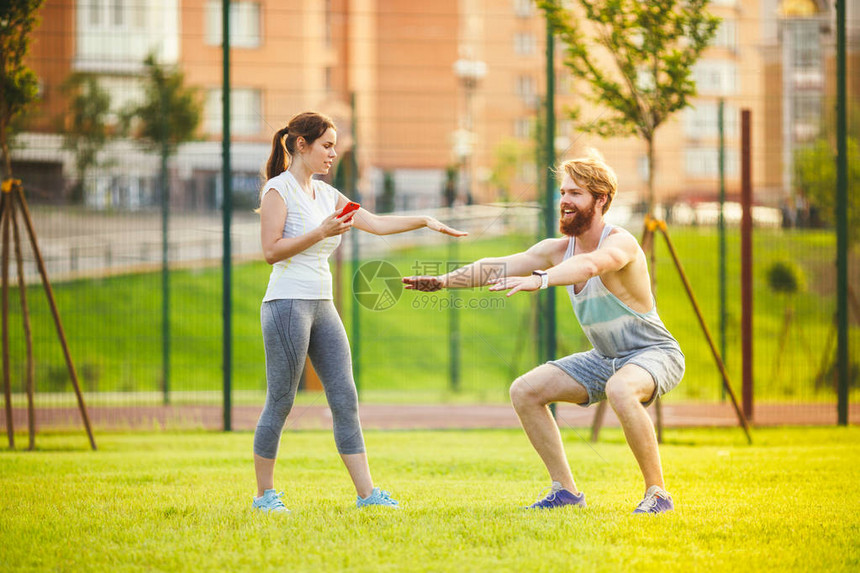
350, 207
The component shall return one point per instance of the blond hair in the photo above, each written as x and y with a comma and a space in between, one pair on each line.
592, 174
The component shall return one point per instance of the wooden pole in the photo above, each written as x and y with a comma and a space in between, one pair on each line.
726, 383
597, 421
7, 382
649, 243
853, 302
28, 221
28, 335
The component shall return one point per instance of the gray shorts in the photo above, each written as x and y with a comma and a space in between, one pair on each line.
593, 370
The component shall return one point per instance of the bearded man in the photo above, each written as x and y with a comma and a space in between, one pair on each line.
634, 358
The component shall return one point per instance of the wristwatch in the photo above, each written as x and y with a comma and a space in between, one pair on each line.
544, 278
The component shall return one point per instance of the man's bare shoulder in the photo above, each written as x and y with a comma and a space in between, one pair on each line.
620, 237
549, 251
550, 247
553, 244
630, 283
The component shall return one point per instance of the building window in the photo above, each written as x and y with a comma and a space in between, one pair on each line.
138, 16
244, 24
716, 77
806, 44
95, 12
526, 89
118, 12
642, 167
565, 82
807, 117
704, 162
245, 111
726, 36
702, 121
525, 44
524, 8
523, 127
115, 36
106, 13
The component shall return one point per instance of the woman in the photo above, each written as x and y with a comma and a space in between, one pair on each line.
300, 228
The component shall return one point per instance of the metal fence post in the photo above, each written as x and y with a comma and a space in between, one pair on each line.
843, 366
548, 320
227, 207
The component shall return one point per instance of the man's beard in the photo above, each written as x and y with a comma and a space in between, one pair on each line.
580, 223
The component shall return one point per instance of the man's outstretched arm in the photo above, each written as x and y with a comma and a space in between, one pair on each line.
617, 252
485, 271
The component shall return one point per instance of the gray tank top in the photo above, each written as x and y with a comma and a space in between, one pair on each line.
613, 328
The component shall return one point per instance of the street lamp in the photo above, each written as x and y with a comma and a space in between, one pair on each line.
469, 72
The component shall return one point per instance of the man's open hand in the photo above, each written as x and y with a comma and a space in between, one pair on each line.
515, 284
424, 284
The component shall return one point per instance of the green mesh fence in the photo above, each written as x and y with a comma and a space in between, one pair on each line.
433, 136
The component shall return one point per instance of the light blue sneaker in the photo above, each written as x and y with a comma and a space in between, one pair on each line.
657, 500
559, 497
270, 502
377, 497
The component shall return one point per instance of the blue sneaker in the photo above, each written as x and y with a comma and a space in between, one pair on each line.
270, 501
657, 500
558, 497
376, 497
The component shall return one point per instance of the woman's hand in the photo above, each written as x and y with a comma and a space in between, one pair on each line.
439, 227
516, 284
333, 226
424, 284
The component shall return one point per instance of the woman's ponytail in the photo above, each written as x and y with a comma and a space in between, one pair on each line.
277, 163
309, 125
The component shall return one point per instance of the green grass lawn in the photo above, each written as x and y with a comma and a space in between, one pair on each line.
181, 502
114, 326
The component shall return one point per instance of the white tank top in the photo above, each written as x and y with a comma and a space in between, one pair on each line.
305, 275
613, 328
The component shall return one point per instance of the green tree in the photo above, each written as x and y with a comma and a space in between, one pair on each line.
449, 189
786, 279
171, 111
816, 180
87, 130
386, 199
168, 116
507, 157
652, 47
19, 87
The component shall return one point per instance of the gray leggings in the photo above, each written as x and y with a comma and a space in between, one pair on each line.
292, 330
